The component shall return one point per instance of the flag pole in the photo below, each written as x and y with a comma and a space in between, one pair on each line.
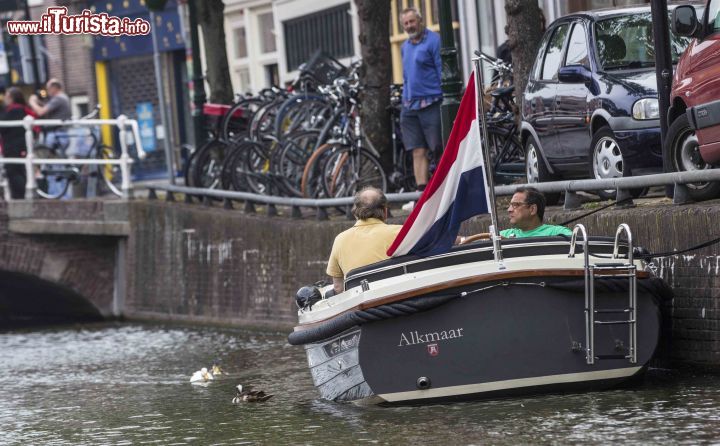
487, 162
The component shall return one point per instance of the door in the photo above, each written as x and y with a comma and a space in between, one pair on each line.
546, 88
705, 69
570, 114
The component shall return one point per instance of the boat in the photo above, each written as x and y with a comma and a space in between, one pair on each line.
487, 319
563, 315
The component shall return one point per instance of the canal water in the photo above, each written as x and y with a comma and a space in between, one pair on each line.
129, 384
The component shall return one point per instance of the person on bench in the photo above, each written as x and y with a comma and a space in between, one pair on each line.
367, 241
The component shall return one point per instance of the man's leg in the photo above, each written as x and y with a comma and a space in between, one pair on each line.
420, 167
414, 140
430, 121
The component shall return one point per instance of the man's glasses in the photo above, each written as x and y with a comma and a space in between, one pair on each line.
517, 204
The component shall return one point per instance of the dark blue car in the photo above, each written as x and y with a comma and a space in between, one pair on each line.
590, 108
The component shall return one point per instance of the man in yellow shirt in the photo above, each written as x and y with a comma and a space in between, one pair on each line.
367, 241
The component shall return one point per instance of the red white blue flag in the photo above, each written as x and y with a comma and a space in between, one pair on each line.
456, 192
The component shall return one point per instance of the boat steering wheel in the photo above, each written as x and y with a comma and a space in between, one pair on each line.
475, 237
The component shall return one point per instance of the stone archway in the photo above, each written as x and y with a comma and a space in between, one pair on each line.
29, 300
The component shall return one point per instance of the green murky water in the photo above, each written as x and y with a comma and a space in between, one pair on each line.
129, 384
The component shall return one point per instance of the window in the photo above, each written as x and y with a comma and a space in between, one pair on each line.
272, 76
538, 60
577, 53
329, 30
243, 75
553, 55
626, 41
267, 32
714, 16
240, 43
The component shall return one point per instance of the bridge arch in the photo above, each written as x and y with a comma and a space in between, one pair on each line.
29, 300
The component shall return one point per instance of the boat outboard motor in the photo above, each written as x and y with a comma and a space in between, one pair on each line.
307, 296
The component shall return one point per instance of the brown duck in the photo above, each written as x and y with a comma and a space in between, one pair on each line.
250, 396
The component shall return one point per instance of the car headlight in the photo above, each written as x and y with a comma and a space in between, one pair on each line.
647, 108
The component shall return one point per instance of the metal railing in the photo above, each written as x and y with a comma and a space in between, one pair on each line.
123, 123
570, 188
623, 186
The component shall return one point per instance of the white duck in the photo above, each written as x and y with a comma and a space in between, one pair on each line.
201, 376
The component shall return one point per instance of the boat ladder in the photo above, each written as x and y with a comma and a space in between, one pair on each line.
599, 271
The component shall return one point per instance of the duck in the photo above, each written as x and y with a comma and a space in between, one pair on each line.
201, 376
216, 370
250, 396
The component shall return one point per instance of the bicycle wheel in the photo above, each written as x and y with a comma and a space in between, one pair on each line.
206, 171
236, 121
302, 112
506, 154
259, 178
262, 126
347, 172
293, 155
52, 180
110, 174
312, 181
226, 168
237, 168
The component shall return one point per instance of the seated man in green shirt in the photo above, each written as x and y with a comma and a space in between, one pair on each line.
526, 210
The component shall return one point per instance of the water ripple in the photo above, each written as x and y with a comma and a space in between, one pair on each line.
128, 384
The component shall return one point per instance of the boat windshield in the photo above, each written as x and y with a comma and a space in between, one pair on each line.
626, 42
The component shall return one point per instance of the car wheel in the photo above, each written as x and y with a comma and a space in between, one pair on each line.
606, 162
536, 171
684, 154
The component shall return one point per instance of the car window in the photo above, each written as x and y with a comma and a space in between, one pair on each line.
714, 16
539, 60
577, 53
553, 55
626, 41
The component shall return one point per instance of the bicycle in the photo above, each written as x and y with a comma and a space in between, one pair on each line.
344, 165
81, 142
402, 177
506, 153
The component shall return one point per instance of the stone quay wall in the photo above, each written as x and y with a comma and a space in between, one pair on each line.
207, 264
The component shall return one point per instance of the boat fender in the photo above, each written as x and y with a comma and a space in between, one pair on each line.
307, 296
423, 383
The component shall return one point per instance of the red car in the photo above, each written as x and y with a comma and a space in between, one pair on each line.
694, 117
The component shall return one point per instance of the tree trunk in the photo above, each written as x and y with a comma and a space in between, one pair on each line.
211, 19
376, 74
524, 32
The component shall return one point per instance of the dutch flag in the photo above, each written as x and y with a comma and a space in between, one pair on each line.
456, 192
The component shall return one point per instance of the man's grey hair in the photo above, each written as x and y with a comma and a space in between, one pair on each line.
369, 205
55, 84
411, 9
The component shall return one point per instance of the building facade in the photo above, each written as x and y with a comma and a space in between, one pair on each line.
126, 83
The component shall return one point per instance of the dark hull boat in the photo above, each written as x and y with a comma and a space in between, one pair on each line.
459, 326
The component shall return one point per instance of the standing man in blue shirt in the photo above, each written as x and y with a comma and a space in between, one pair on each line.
422, 95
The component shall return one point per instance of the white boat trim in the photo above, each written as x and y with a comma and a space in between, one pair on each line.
326, 309
471, 251
469, 389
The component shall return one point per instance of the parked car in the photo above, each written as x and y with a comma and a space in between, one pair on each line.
590, 108
694, 117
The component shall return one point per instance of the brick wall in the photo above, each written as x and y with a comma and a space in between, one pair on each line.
69, 57
194, 263
74, 265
